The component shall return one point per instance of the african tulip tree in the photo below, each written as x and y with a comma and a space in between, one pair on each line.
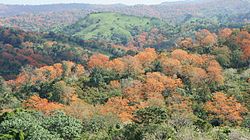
225, 108
225, 33
121, 108
205, 37
156, 83
179, 104
243, 39
40, 104
97, 60
186, 43
48, 73
146, 57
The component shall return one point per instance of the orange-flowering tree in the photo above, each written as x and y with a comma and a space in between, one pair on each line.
48, 73
156, 83
97, 60
197, 68
133, 66
180, 55
79, 109
205, 37
243, 39
170, 66
121, 107
187, 59
117, 65
179, 104
186, 43
133, 91
40, 104
225, 33
146, 57
151, 88
115, 84
142, 39
215, 72
225, 108
197, 75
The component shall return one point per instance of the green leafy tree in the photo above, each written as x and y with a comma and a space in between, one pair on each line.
102, 127
7, 100
65, 126
22, 125
152, 114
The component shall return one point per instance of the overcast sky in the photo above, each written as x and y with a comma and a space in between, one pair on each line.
128, 2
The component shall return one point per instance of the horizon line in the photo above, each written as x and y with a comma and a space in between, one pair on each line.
65, 3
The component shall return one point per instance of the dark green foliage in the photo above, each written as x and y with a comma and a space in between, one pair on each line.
199, 110
152, 131
152, 114
95, 88
246, 122
202, 125
100, 95
100, 77
132, 132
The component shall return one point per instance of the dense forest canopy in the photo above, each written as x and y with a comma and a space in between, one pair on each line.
143, 72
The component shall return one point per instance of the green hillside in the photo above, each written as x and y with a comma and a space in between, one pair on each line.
119, 28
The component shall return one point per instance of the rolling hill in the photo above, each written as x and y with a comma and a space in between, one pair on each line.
119, 28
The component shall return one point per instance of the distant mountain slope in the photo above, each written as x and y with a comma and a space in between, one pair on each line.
43, 21
166, 10
12, 10
119, 28
203, 8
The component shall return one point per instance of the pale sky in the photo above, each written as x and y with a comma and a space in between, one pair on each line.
127, 2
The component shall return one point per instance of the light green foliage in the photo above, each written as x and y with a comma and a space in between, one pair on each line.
67, 127
151, 131
7, 100
236, 84
101, 128
223, 56
32, 125
24, 124
227, 133
112, 26
62, 92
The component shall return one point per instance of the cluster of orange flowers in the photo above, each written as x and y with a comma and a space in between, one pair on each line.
225, 108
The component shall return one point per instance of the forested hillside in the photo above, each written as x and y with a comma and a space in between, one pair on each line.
113, 76
200, 88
